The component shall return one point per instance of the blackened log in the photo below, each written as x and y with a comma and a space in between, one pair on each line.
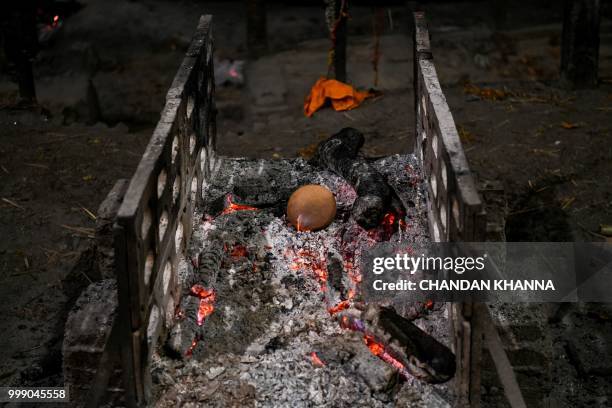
580, 43
340, 154
423, 356
335, 273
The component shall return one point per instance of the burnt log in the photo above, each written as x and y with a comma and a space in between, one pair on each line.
340, 154
423, 356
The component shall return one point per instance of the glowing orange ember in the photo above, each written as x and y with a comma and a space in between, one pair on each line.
316, 360
179, 314
194, 344
204, 310
389, 218
231, 207
355, 276
429, 304
207, 300
375, 347
351, 293
239, 251
379, 351
345, 304
305, 259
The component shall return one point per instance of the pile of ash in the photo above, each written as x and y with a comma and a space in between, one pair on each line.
260, 321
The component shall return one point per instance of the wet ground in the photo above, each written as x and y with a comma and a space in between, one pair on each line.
547, 147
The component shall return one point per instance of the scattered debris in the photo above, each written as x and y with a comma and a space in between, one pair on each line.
569, 125
14, 204
605, 229
489, 94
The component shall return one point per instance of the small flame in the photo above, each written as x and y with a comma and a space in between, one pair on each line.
316, 360
231, 207
429, 304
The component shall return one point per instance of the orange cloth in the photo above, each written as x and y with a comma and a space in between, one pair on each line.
343, 96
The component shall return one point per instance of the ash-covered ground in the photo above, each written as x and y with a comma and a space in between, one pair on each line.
274, 338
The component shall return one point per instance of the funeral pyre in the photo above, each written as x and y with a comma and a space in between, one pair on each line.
273, 316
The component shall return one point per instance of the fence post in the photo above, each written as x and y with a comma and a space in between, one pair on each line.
580, 43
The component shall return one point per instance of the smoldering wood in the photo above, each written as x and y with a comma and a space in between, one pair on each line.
335, 273
263, 185
424, 356
340, 154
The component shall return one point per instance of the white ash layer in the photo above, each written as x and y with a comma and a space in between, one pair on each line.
271, 340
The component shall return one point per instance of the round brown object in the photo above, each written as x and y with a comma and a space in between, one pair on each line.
311, 207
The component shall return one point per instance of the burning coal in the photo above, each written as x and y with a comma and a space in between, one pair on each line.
207, 300
231, 206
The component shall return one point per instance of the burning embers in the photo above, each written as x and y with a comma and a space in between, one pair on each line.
231, 206
205, 308
316, 360
308, 260
339, 279
261, 296
379, 350
207, 301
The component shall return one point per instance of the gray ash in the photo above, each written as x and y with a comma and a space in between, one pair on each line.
273, 338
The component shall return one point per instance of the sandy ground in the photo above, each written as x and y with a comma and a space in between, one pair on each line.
549, 148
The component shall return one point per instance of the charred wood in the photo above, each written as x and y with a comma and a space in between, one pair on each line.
340, 154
